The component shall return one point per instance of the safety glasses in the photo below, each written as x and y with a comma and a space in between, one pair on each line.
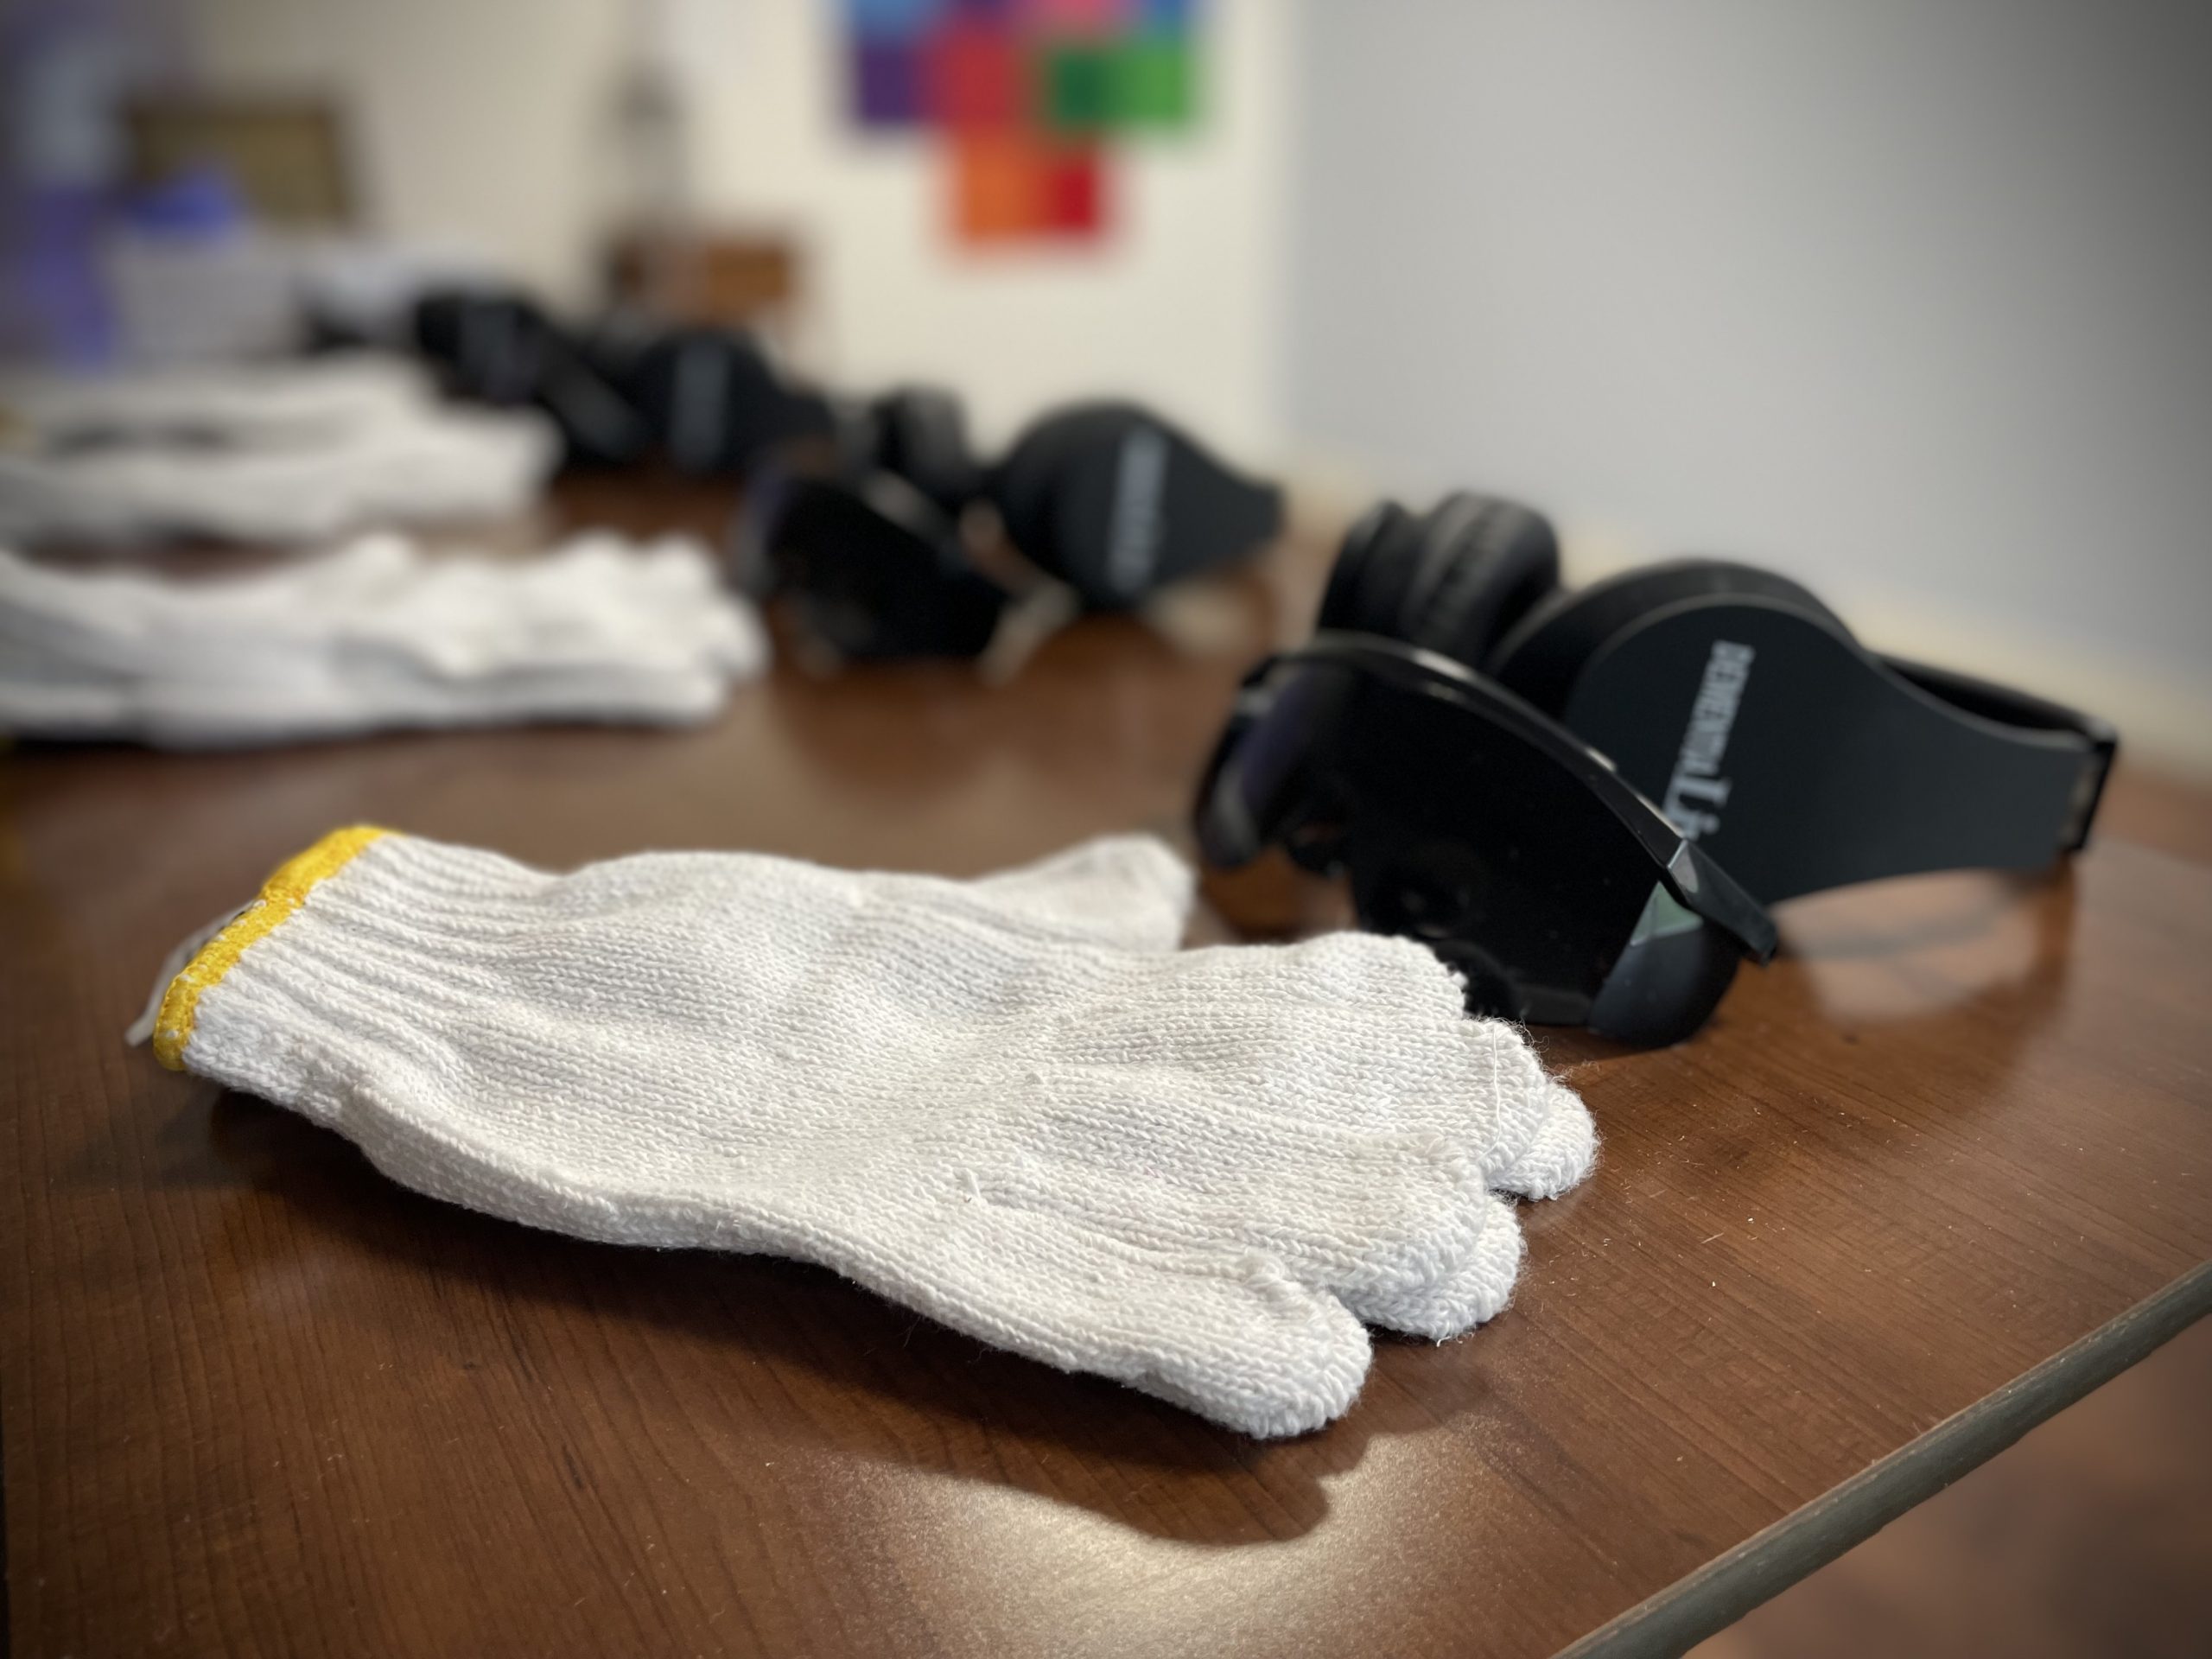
863, 568
1466, 819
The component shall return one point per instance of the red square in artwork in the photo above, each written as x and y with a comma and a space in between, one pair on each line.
974, 75
1072, 192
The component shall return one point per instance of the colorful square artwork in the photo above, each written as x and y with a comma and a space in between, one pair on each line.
1027, 95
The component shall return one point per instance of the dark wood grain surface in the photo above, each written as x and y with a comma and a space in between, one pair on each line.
258, 1400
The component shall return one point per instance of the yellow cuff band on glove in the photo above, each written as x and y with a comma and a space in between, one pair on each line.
283, 893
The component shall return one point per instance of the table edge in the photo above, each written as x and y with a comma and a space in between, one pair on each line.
1702, 1603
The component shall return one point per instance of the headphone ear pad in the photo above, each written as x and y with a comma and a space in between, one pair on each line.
920, 434
1375, 565
1484, 563
1541, 658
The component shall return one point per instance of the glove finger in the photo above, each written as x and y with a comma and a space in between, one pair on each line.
1348, 1212
1126, 892
1229, 1335
1473, 1290
1348, 1030
1559, 1155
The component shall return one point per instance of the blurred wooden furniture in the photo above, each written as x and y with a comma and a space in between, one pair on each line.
1942, 1168
737, 281
287, 155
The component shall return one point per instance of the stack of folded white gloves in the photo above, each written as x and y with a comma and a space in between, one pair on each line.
377, 636
1012, 1104
279, 452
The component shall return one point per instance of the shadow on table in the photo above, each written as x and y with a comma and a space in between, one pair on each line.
762, 1350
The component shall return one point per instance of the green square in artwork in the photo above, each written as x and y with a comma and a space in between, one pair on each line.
1154, 78
1078, 88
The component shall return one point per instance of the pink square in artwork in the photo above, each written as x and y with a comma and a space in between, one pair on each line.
1085, 18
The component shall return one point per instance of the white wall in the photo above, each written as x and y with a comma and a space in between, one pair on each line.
481, 124
489, 121
1912, 301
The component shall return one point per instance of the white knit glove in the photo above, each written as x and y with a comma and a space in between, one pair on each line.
376, 637
295, 452
1007, 1104
274, 400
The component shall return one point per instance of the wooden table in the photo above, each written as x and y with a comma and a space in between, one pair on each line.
1942, 1168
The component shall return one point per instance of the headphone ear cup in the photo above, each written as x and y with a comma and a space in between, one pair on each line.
1116, 503
1375, 565
489, 344
1484, 563
1541, 658
875, 570
1056, 479
920, 434
600, 425
710, 396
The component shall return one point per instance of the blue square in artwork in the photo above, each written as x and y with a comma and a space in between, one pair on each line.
1165, 16
894, 20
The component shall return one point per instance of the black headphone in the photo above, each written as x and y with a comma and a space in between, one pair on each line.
1107, 498
710, 397
1737, 701
705, 399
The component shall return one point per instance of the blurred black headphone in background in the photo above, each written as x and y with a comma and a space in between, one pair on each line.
705, 399
1607, 777
1107, 498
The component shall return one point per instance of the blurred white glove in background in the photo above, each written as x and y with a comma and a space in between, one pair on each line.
378, 635
277, 452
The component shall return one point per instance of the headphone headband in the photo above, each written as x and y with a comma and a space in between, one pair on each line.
2017, 712
1802, 761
